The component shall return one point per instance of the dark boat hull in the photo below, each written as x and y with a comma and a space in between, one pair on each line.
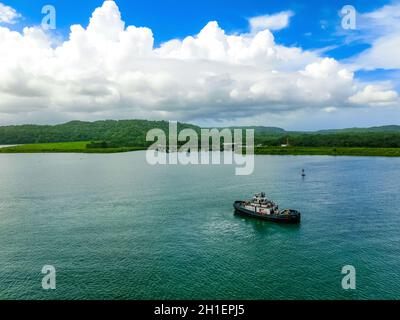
293, 217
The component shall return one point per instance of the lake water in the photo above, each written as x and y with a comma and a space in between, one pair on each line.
117, 228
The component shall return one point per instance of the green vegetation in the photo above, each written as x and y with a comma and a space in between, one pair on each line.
339, 139
80, 146
128, 135
90, 147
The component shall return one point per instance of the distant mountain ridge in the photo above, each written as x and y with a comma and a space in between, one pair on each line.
261, 129
387, 128
277, 130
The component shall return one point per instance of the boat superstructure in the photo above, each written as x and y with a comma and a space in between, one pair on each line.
261, 207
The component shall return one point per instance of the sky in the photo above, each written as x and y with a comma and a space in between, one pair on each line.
291, 64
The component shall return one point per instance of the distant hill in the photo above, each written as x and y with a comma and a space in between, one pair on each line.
118, 132
132, 133
277, 130
374, 137
262, 130
391, 128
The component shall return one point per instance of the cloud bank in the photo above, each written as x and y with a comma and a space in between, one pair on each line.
380, 29
272, 22
110, 70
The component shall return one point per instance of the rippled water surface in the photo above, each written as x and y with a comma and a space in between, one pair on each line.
115, 227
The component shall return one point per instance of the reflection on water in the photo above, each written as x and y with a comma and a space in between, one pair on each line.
263, 225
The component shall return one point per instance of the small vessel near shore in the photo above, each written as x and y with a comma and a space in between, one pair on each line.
262, 208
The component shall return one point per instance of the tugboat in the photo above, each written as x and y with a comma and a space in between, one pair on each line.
262, 208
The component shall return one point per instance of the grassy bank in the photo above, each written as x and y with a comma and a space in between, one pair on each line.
382, 152
82, 148
77, 147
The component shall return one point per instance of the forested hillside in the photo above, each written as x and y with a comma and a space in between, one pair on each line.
114, 133
122, 132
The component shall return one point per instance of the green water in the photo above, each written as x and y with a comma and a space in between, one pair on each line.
117, 228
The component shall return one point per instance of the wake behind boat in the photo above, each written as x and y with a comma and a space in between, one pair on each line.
262, 208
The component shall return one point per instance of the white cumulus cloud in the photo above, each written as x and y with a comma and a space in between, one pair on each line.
380, 29
8, 15
276, 21
374, 95
111, 70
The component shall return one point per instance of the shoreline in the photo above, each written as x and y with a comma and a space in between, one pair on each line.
64, 147
81, 147
329, 151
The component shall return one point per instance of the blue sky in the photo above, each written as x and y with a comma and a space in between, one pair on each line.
314, 26
178, 18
